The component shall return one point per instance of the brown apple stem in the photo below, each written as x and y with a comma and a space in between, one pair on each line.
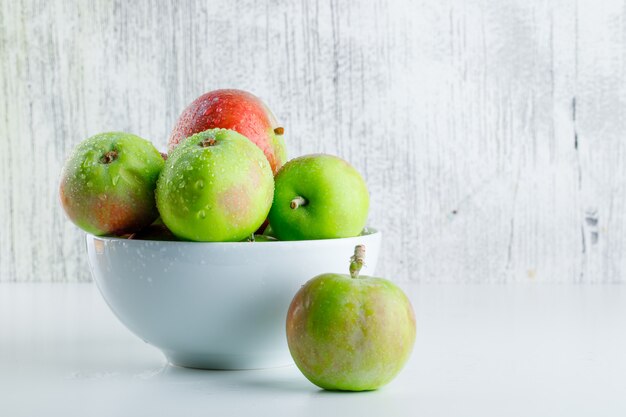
279, 130
357, 261
297, 202
109, 157
207, 142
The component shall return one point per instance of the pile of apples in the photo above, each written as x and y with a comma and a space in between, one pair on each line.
226, 174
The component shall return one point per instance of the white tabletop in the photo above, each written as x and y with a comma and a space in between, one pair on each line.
483, 350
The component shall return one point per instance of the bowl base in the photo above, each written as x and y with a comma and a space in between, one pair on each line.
226, 362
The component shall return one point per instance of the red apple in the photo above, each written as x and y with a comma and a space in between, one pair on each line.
236, 110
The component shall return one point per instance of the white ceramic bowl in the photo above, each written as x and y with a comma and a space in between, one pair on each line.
215, 305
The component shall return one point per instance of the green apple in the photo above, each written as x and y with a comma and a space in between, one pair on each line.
350, 332
318, 197
108, 182
216, 186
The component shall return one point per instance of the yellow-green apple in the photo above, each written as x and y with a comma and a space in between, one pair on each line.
350, 332
318, 197
216, 186
108, 182
237, 110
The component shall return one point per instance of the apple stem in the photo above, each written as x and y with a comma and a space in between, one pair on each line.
207, 142
357, 261
279, 130
109, 157
297, 202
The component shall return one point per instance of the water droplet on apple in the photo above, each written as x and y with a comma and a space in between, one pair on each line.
115, 179
199, 184
201, 214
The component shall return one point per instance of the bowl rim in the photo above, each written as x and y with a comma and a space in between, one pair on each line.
370, 232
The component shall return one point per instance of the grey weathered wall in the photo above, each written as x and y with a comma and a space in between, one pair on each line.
491, 133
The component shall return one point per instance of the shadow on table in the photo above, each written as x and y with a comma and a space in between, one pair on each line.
282, 379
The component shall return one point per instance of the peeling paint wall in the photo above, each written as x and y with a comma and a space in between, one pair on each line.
491, 133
